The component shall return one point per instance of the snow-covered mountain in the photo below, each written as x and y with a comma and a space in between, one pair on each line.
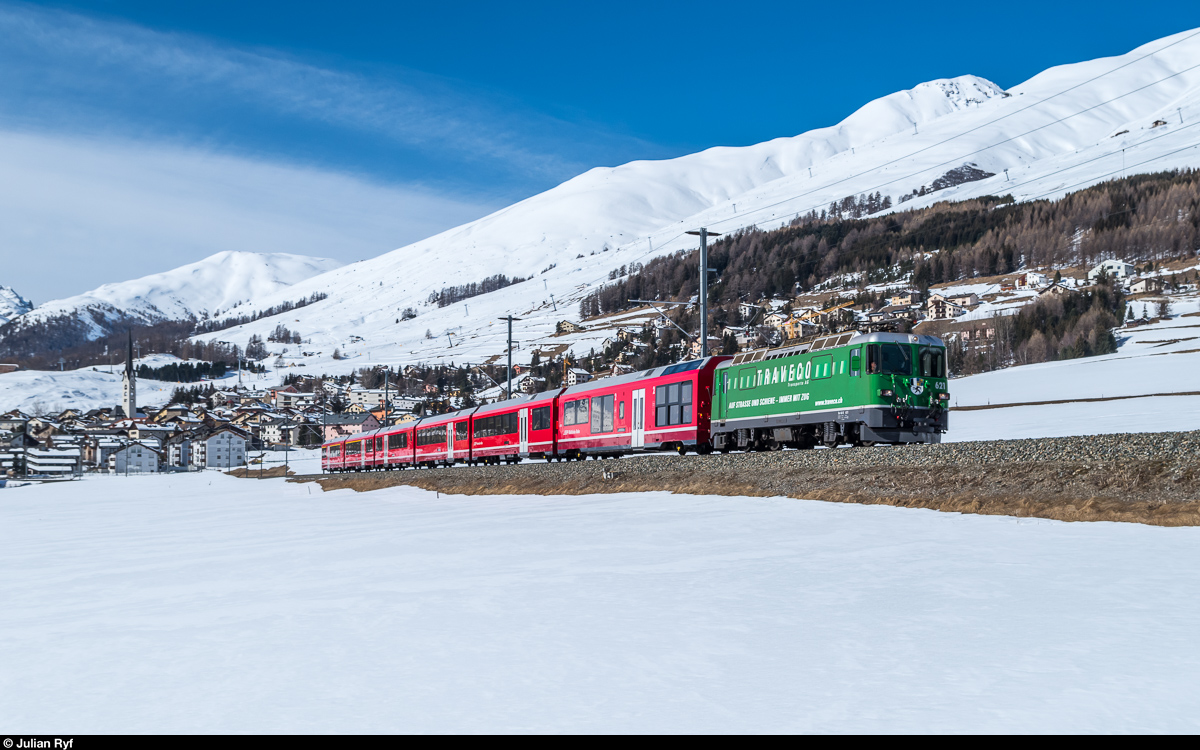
214, 285
1066, 128
12, 304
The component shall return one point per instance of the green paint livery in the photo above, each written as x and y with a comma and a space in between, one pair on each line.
851, 388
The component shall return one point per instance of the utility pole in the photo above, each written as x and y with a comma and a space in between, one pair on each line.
386, 373
508, 387
704, 271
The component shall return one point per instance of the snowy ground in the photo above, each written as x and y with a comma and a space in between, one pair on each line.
1154, 359
203, 603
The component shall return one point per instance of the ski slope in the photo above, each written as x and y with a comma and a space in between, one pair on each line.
203, 603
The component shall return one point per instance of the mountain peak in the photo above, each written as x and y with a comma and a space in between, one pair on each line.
12, 304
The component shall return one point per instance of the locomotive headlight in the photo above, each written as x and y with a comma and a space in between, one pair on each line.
886, 393
943, 397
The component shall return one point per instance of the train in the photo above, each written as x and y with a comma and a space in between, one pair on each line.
850, 388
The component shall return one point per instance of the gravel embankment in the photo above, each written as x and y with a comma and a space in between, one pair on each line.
1145, 477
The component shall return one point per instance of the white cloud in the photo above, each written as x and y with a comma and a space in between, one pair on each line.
76, 212
71, 71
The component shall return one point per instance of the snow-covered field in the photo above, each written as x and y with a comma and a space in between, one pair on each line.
1161, 358
203, 603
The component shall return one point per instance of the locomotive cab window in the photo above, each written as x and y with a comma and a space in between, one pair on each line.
889, 359
673, 404
539, 419
932, 361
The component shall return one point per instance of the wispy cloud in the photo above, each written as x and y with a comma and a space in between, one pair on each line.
127, 151
68, 70
77, 212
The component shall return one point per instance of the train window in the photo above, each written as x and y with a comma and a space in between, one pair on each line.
397, 441
889, 359
461, 432
432, 435
683, 367
673, 404
379, 444
335, 451
932, 362
575, 412
353, 449
602, 414
621, 410
539, 419
501, 424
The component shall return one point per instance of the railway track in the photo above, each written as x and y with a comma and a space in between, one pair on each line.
1144, 477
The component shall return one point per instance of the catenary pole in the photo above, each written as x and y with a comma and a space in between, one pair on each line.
704, 271
508, 387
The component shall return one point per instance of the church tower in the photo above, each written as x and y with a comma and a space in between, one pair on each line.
129, 384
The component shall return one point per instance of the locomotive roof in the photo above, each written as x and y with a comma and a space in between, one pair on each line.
833, 340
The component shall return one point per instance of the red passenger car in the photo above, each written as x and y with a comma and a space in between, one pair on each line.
666, 408
394, 447
331, 455
443, 439
521, 427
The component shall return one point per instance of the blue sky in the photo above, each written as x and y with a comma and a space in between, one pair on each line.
151, 134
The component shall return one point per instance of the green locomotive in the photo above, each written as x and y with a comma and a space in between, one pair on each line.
846, 388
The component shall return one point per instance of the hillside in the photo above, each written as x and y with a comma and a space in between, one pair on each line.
1063, 129
210, 287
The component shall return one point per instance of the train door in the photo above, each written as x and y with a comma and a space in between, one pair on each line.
523, 430
638, 431
450, 442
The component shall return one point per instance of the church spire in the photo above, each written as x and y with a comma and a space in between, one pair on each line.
129, 384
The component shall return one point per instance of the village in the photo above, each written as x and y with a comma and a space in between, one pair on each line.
231, 427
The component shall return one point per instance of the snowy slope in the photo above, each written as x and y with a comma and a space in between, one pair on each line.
217, 283
204, 603
1060, 130
12, 304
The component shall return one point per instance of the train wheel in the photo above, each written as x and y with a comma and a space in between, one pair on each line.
704, 449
